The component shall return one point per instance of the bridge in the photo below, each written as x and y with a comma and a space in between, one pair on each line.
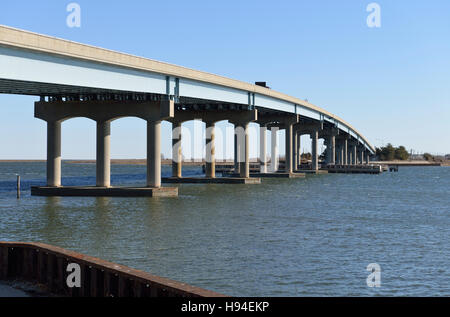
77, 80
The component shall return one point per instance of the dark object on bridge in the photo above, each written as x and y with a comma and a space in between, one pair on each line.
393, 168
262, 84
46, 267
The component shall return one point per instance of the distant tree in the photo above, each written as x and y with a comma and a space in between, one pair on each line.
387, 153
390, 153
401, 153
428, 157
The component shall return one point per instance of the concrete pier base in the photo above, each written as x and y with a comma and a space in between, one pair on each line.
274, 175
356, 169
86, 191
210, 180
318, 172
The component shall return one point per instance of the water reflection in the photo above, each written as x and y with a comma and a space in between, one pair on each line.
312, 236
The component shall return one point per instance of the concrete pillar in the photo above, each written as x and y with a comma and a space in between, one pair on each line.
299, 150
237, 153
154, 154
54, 154
338, 155
295, 151
177, 152
210, 150
103, 162
274, 150
245, 152
345, 154
355, 155
263, 149
368, 157
314, 150
288, 140
331, 150
361, 157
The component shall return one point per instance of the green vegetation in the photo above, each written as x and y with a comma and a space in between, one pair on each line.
390, 153
428, 157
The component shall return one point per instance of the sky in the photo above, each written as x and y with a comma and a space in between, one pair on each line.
392, 83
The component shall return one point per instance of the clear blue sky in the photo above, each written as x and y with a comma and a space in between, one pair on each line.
392, 83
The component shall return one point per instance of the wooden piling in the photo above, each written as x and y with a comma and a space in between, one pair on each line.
18, 186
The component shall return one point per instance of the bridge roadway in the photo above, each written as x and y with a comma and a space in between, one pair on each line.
78, 80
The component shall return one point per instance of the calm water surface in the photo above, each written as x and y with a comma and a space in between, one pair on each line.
298, 237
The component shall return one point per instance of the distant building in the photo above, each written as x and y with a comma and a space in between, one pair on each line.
447, 157
417, 157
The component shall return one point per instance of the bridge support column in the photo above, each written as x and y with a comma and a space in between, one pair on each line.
210, 150
314, 150
299, 150
354, 155
263, 149
289, 140
177, 152
103, 162
331, 150
154, 154
295, 151
338, 154
345, 154
237, 148
244, 150
368, 157
361, 157
53, 153
274, 149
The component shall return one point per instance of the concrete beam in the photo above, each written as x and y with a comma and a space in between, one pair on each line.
277, 119
104, 111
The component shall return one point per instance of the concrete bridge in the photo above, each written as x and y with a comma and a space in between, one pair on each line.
77, 80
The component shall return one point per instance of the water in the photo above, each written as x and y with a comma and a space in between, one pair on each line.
297, 237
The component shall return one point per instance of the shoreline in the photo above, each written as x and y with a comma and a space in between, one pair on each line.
411, 163
218, 162
127, 162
